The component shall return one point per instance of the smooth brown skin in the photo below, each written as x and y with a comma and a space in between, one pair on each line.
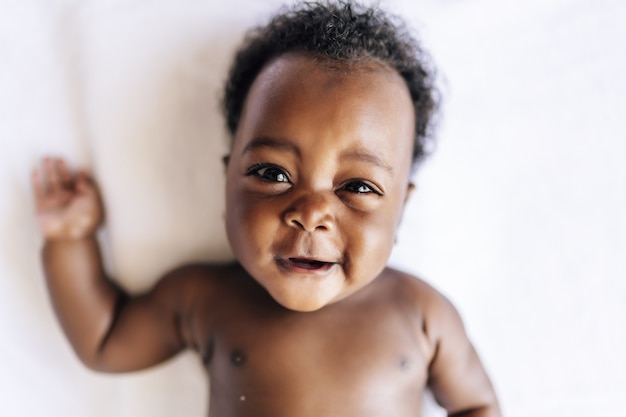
310, 321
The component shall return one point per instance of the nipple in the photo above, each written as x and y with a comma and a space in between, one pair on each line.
237, 358
405, 363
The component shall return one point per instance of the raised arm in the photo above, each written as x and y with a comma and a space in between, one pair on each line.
457, 377
109, 330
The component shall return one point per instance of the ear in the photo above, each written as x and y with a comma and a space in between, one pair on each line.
409, 190
226, 160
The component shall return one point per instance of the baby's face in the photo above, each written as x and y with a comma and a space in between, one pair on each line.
318, 178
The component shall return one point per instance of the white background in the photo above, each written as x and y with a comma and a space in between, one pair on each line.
519, 216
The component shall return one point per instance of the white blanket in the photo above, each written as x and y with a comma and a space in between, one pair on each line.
519, 217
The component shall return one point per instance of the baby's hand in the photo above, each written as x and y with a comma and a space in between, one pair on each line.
67, 203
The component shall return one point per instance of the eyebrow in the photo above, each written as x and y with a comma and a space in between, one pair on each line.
354, 154
267, 142
365, 156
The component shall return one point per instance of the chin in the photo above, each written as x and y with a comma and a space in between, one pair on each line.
304, 303
302, 306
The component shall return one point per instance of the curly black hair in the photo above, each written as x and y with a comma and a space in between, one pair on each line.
342, 32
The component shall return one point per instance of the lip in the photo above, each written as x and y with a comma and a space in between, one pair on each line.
305, 265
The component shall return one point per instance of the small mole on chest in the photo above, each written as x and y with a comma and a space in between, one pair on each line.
237, 358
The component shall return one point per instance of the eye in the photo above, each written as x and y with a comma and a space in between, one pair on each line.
360, 187
269, 173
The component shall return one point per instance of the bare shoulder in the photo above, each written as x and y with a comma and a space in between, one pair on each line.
418, 292
192, 281
182, 290
176, 293
415, 285
456, 375
191, 293
438, 315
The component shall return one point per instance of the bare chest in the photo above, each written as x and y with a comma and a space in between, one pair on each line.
341, 360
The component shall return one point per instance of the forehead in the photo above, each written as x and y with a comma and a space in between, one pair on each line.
300, 97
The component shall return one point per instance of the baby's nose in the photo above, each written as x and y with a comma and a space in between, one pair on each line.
311, 212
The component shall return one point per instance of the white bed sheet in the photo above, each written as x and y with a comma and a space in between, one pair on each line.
519, 216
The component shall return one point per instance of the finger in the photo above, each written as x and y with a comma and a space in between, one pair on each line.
39, 188
83, 181
65, 176
52, 180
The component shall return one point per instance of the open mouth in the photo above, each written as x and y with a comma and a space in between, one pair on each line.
305, 265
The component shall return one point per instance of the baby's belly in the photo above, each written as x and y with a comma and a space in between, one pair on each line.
377, 400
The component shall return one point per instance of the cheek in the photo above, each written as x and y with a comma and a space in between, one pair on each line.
248, 224
237, 219
370, 243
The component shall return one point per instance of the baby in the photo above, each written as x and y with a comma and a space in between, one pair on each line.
329, 108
